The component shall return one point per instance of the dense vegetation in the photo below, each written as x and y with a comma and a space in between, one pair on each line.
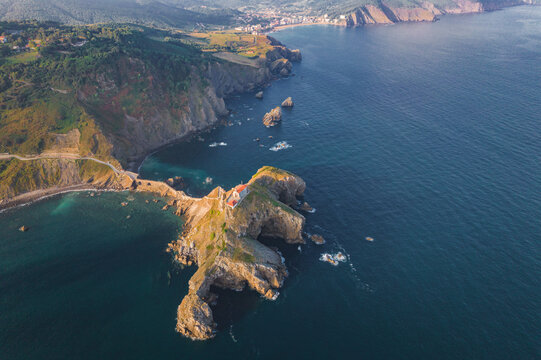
155, 13
43, 66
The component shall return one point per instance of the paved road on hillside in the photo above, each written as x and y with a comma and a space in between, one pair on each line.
6, 156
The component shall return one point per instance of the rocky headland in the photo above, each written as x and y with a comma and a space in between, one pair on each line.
220, 238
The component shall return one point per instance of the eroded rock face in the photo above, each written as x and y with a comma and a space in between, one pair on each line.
423, 11
281, 67
222, 241
273, 117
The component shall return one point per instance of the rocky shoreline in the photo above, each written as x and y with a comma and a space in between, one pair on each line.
146, 135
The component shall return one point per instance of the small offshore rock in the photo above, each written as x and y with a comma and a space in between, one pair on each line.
165, 207
306, 207
175, 182
23, 229
273, 117
288, 102
272, 294
318, 239
259, 95
124, 204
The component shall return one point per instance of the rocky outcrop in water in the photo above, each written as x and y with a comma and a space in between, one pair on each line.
317, 239
222, 241
273, 117
288, 102
176, 182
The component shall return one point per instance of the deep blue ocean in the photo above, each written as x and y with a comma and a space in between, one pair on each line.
426, 137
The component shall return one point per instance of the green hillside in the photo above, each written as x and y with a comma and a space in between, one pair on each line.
152, 13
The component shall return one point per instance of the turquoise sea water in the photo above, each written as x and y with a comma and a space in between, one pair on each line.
425, 137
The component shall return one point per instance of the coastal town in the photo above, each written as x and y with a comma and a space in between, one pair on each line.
270, 19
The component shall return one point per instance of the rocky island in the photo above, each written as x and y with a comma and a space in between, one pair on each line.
220, 237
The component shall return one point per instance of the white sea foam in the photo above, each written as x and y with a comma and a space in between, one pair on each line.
326, 257
231, 333
282, 145
214, 144
208, 180
339, 256
333, 259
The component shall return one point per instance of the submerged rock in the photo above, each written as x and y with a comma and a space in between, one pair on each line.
318, 239
287, 102
306, 207
175, 182
273, 117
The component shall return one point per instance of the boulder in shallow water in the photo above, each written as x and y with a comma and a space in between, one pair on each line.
23, 229
306, 207
259, 95
288, 102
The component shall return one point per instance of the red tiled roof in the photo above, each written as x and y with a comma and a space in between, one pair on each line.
239, 188
232, 203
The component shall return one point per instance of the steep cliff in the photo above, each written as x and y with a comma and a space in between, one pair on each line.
222, 241
146, 114
115, 96
388, 12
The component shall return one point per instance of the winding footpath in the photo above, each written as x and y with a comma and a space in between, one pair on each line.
7, 156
